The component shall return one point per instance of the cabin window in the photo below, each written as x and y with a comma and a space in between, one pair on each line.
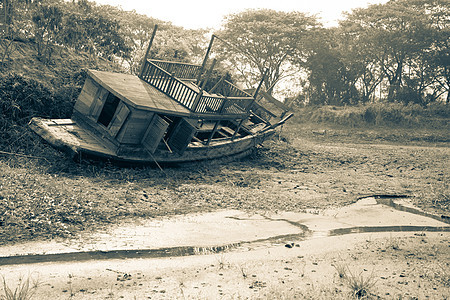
108, 110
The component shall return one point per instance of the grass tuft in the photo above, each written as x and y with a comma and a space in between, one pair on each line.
359, 284
25, 289
340, 269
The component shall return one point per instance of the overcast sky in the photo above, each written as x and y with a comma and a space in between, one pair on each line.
195, 14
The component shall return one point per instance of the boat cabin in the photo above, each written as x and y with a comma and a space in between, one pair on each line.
163, 109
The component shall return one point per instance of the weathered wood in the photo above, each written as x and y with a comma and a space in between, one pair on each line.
195, 100
228, 131
206, 57
153, 118
148, 50
215, 87
213, 132
86, 97
97, 104
134, 129
119, 119
181, 136
182, 71
237, 129
154, 133
260, 83
275, 102
91, 126
137, 93
84, 142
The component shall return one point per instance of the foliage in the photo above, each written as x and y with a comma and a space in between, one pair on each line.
87, 29
379, 114
332, 78
22, 98
171, 42
397, 51
399, 48
47, 19
257, 40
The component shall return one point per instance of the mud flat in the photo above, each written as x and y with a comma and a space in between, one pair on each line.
392, 253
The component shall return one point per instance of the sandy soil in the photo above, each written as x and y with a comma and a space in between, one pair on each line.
375, 266
305, 169
275, 256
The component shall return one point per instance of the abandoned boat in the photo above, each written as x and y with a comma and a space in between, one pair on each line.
164, 115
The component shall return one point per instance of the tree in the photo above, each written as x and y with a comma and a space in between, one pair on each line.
88, 29
264, 39
437, 56
171, 42
396, 34
47, 19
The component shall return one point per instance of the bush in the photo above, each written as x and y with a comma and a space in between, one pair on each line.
22, 98
379, 114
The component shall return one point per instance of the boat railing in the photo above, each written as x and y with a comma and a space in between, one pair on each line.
194, 100
226, 88
179, 70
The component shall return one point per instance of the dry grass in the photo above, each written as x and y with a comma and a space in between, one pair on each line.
25, 289
435, 115
359, 284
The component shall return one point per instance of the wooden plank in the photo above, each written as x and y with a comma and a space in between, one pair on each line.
237, 129
213, 132
136, 92
154, 133
181, 136
228, 131
134, 129
119, 119
86, 97
99, 101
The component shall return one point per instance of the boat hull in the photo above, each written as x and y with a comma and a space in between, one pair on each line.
67, 135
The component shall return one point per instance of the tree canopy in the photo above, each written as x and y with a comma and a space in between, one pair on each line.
397, 51
400, 47
259, 40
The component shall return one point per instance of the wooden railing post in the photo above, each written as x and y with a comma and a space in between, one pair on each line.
200, 94
144, 61
206, 58
217, 85
260, 83
196, 101
222, 107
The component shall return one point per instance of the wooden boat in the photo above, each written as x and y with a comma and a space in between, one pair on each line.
164, 115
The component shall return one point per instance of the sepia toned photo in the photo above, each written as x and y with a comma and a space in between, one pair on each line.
224, 150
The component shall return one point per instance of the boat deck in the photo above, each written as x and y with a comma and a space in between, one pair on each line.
67, 135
